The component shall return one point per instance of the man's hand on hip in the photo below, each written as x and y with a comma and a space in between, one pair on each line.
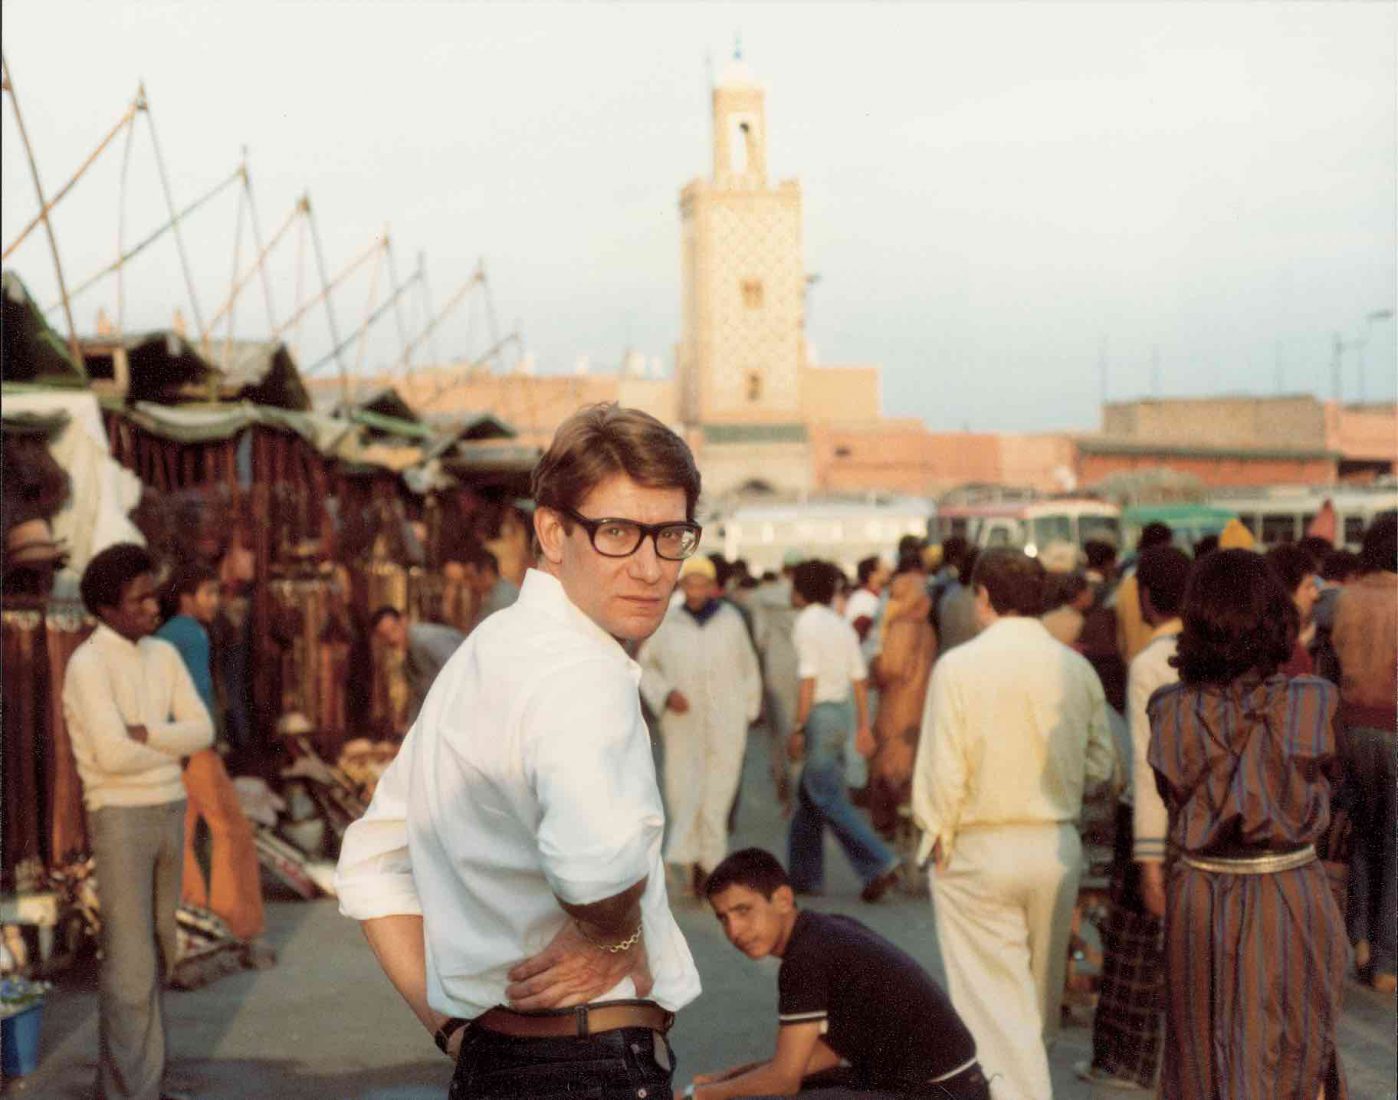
571, 970
677, 702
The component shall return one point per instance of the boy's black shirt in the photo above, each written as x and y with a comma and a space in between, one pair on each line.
882, 1011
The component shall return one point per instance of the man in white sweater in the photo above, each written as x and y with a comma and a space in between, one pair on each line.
133, 713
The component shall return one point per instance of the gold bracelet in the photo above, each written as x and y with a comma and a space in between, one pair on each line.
611, 948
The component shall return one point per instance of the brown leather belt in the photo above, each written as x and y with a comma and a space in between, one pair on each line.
578, 1022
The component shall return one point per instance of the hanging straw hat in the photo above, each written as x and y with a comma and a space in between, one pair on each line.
31, 542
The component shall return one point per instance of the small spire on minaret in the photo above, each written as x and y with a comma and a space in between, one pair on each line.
738, 46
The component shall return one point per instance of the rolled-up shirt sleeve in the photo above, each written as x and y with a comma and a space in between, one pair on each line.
588, 757
374, 877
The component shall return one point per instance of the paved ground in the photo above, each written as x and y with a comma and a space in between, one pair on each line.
325, 1024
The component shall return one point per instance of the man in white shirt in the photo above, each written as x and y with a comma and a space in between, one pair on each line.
1126, 1023
511, 854
132, 712
833, 702
699, 674
1014, 730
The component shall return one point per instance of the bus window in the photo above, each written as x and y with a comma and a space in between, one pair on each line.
1101, 528
1277, 529
1249, 520
998, 535
1354, 531
1049, 529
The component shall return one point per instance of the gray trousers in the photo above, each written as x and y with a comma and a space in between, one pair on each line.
140, 853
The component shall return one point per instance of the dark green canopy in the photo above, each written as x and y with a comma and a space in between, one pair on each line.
33, 352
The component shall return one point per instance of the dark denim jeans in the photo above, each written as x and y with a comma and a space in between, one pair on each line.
626, 1064
1370, 779
822, 801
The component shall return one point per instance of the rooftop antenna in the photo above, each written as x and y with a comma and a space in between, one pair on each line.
737, 45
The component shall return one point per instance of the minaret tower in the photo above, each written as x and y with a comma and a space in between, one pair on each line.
742, 345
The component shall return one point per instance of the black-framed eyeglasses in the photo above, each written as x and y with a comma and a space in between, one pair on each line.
620, 538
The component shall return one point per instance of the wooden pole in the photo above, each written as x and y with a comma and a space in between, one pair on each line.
38, 218
240, 282
9, 86
257, 240
174, 220
329, 305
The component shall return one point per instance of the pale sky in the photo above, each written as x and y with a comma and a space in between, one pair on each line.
998, 196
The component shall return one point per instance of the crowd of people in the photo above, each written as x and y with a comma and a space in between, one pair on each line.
1232, 709
513, 874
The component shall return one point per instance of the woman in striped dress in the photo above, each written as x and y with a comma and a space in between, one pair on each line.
1244, 759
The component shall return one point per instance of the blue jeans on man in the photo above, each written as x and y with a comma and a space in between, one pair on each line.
822, 802
610, 1065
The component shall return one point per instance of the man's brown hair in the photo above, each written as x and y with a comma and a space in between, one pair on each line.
601, 440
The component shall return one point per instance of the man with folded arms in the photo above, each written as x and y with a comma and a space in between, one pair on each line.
508, 872
133, 712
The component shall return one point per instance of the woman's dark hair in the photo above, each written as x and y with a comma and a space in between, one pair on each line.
754, 868
816, 581
1013, 580
1291, 564
1237, 619
109, 572
1379, 554
184, 580
1163, 571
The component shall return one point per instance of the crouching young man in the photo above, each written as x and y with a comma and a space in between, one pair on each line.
858, 1017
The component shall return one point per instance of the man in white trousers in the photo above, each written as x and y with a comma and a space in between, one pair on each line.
1013, 732
699, 674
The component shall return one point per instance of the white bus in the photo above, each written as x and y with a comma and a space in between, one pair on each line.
1282, 513
841, 531
1032, 525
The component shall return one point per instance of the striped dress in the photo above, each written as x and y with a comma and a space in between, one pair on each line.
1254, 964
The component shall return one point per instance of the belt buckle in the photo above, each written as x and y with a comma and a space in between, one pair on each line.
580, 1019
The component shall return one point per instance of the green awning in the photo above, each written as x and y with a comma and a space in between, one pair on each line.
391, 425
32, 351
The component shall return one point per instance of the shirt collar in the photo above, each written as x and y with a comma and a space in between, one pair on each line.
544, 592
1016, 624
106, 636
1167, 628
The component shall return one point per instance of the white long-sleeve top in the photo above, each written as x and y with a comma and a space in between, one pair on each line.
712, 665
1150, 669
112, 683
526, 779
1014, 730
